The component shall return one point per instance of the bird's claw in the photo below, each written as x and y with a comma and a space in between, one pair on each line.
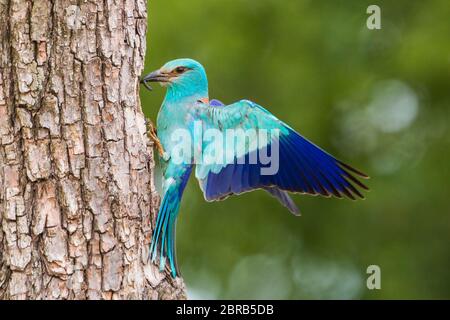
152, 134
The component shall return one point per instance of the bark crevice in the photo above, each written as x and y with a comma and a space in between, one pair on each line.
77, 199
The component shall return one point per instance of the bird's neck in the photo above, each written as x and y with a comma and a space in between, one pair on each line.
187, 92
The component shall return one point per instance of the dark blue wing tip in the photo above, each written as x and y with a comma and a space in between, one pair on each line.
317, 173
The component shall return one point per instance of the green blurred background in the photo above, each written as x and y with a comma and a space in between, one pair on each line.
377, 99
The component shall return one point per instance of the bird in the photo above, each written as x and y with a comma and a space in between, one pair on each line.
303, 167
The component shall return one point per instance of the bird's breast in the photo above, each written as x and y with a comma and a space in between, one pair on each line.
174, 127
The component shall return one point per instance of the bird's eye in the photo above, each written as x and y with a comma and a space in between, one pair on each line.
180, 69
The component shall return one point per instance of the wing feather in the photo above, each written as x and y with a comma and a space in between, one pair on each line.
303, 167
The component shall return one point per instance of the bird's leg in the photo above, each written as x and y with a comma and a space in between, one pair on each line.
151, 133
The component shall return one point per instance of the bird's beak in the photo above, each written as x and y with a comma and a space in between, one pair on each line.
155, 76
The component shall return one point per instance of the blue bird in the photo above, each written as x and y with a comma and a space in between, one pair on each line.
231, 165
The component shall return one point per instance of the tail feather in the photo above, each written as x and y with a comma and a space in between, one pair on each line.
171, 244
163, 239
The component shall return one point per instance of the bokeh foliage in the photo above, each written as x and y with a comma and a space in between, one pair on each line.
376, 99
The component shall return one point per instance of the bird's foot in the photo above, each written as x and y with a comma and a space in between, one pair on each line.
151, 133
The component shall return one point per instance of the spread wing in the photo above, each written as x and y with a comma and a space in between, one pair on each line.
302, 167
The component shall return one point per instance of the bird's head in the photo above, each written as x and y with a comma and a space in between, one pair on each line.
182, 77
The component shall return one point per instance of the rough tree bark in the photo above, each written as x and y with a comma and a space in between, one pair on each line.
77, 198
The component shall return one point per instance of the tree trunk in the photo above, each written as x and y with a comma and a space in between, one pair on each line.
77, 198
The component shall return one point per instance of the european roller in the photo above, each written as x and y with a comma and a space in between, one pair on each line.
231, 164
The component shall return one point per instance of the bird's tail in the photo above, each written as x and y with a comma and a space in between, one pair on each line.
163, 238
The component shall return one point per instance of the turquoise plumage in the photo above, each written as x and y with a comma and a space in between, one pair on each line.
296, 165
